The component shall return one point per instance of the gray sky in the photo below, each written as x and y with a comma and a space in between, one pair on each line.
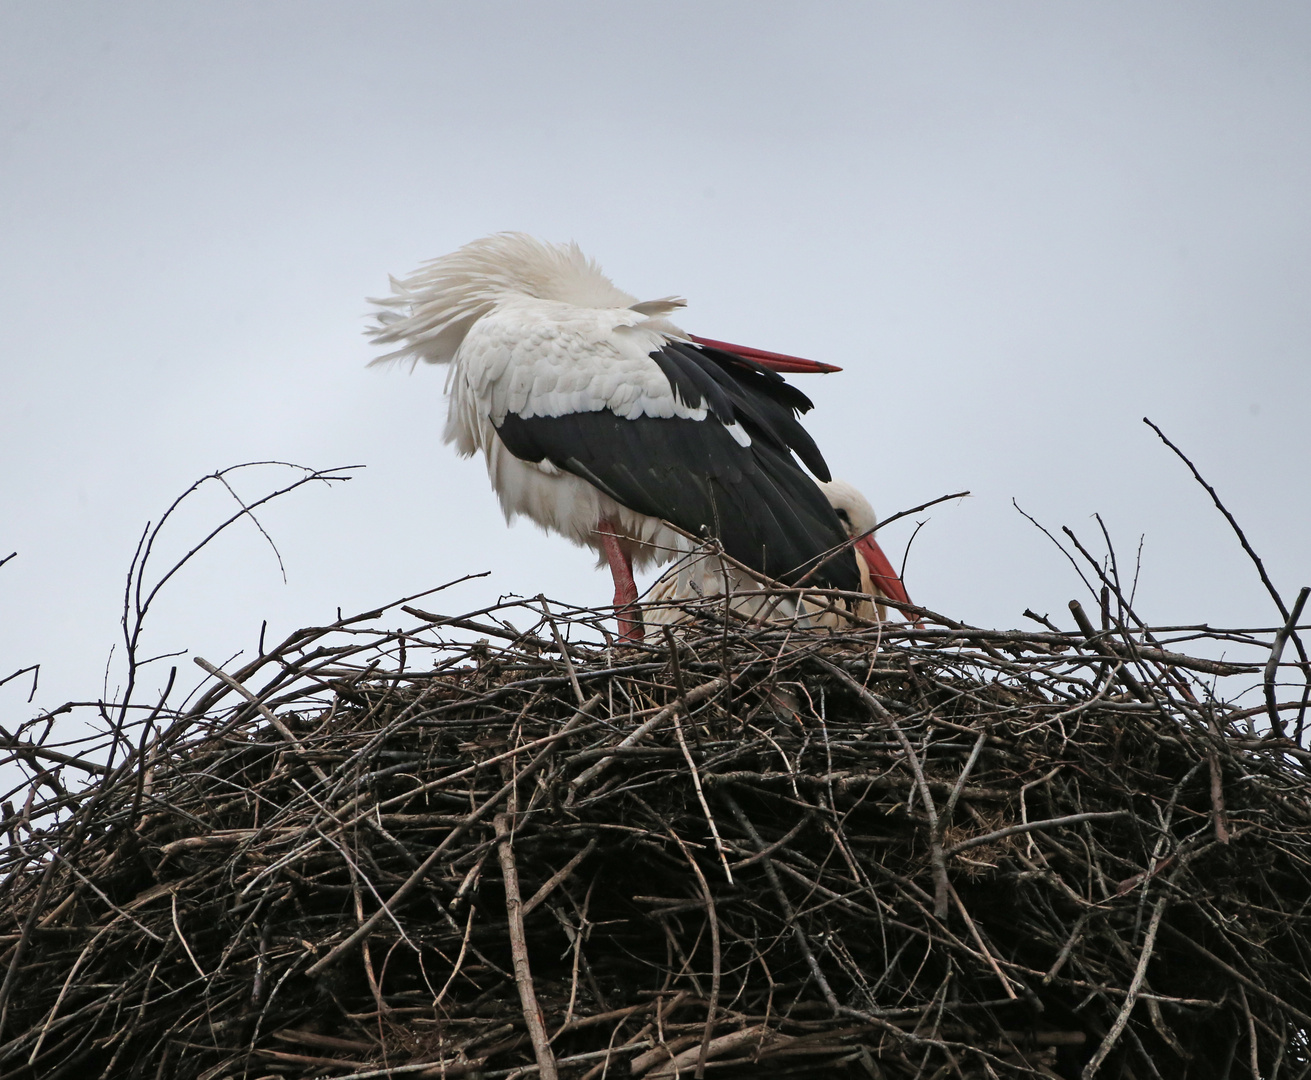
1020, 226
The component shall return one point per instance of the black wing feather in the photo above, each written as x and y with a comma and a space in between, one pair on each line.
756, 499
765, 404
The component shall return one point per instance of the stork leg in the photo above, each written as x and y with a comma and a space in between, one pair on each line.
621, 569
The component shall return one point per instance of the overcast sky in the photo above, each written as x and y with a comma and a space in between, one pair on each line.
1019, 226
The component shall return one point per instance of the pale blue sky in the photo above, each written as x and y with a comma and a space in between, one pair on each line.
1020, 226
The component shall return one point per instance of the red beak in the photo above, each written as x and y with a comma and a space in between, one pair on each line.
885, 578
772, 360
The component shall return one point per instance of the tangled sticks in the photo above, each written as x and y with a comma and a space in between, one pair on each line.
891, 852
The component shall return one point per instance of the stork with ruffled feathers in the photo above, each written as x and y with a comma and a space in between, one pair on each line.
601, 420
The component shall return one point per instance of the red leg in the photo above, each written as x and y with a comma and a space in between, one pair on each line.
621, 569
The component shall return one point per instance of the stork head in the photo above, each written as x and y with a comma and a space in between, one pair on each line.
857, 517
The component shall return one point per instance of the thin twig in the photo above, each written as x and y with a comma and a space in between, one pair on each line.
1276, 651
1130, 998
523, 976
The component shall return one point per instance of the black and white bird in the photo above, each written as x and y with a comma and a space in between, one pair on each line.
601, 420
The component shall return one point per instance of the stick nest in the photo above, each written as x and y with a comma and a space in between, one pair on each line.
892, 851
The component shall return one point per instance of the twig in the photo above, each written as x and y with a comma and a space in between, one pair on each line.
523, 976
715, 957
687, 755
1096, 641
978, 940
560, 876
177, 927
1031, 826
1251, 553
564, 649
1140, 973
916, 509
265, 711
1254, 1062
1276, 651
950, 808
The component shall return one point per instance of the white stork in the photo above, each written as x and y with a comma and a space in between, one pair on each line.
600, 419
703, 574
